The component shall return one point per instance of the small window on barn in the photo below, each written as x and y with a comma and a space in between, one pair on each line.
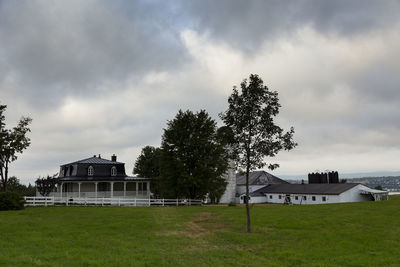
280, 197
296, 198
270, 196
323, 198
90, 171
313, 198
113, 171
304, 197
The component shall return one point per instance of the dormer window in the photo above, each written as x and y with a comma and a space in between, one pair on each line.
90, 171
113, 171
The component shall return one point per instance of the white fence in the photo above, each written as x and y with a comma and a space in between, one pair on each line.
51, 201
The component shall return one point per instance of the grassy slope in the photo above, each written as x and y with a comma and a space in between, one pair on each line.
354, 234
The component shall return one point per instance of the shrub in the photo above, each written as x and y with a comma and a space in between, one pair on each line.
11, 201
231, 204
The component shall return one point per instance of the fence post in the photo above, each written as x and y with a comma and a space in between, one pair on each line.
102, 201
177, 202
163, 202
135, 201
149, 202
34, 198
45, 201
190, 202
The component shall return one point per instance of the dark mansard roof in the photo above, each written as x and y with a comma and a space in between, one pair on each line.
94, 160
102, 170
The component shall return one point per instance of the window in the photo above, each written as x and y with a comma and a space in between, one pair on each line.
113, 171
280, 197
296, 198
90, 171
304, 197
323, 198
270, 196
313, 198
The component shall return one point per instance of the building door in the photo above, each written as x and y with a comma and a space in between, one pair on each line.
287, 199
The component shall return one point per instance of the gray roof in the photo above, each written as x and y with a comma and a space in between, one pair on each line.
94, 160
259, 178
317, 189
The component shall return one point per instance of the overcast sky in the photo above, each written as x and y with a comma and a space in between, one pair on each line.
103, 77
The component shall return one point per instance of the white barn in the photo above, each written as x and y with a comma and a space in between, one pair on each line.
316, 193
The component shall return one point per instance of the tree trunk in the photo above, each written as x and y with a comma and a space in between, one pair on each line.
247, 199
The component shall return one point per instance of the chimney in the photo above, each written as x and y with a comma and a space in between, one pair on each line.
99, 156
114, 158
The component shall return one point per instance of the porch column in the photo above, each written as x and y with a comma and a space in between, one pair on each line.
95, 189
112, 189
137, 187
124, 189
79, 189
61, 188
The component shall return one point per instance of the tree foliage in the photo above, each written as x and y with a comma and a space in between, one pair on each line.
46, 185
12, 142
193, 157
13, 185
250, 116
148, 165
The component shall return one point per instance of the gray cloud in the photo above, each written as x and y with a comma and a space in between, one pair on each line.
104, 77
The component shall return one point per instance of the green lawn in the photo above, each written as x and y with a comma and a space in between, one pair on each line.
354, 234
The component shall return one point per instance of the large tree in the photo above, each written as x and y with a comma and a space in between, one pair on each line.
12, 142
193, 157
250, 116
148, 165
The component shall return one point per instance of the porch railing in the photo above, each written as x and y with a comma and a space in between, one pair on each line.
85, 201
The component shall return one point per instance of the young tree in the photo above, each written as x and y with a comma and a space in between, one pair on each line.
250, 116
193, 158
46, 185
11, 142
148, 165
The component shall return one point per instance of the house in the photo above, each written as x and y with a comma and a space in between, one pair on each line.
316, 193
96, 177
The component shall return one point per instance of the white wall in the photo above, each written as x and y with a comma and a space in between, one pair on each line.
230, 178
351, 195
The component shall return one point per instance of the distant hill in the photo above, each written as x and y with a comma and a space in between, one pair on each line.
387, 182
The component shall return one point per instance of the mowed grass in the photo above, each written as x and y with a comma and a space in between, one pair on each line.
351, 234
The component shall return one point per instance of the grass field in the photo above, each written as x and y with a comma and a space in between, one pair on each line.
353, 234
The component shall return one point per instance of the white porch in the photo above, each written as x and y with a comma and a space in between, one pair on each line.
103, 189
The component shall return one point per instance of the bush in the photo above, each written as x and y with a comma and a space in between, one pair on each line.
11, 201
231, 204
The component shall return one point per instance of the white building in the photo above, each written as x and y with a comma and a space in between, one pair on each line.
316, 193
236, 187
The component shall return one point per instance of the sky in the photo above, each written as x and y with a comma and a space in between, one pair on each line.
104, 77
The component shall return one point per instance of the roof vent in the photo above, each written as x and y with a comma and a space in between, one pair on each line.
99, 156
94, 156
114, 158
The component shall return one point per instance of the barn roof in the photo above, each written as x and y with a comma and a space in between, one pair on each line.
259, 178
317, 189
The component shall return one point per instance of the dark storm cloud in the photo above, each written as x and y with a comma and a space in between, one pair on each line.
71, 47
105, 76
246, 24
